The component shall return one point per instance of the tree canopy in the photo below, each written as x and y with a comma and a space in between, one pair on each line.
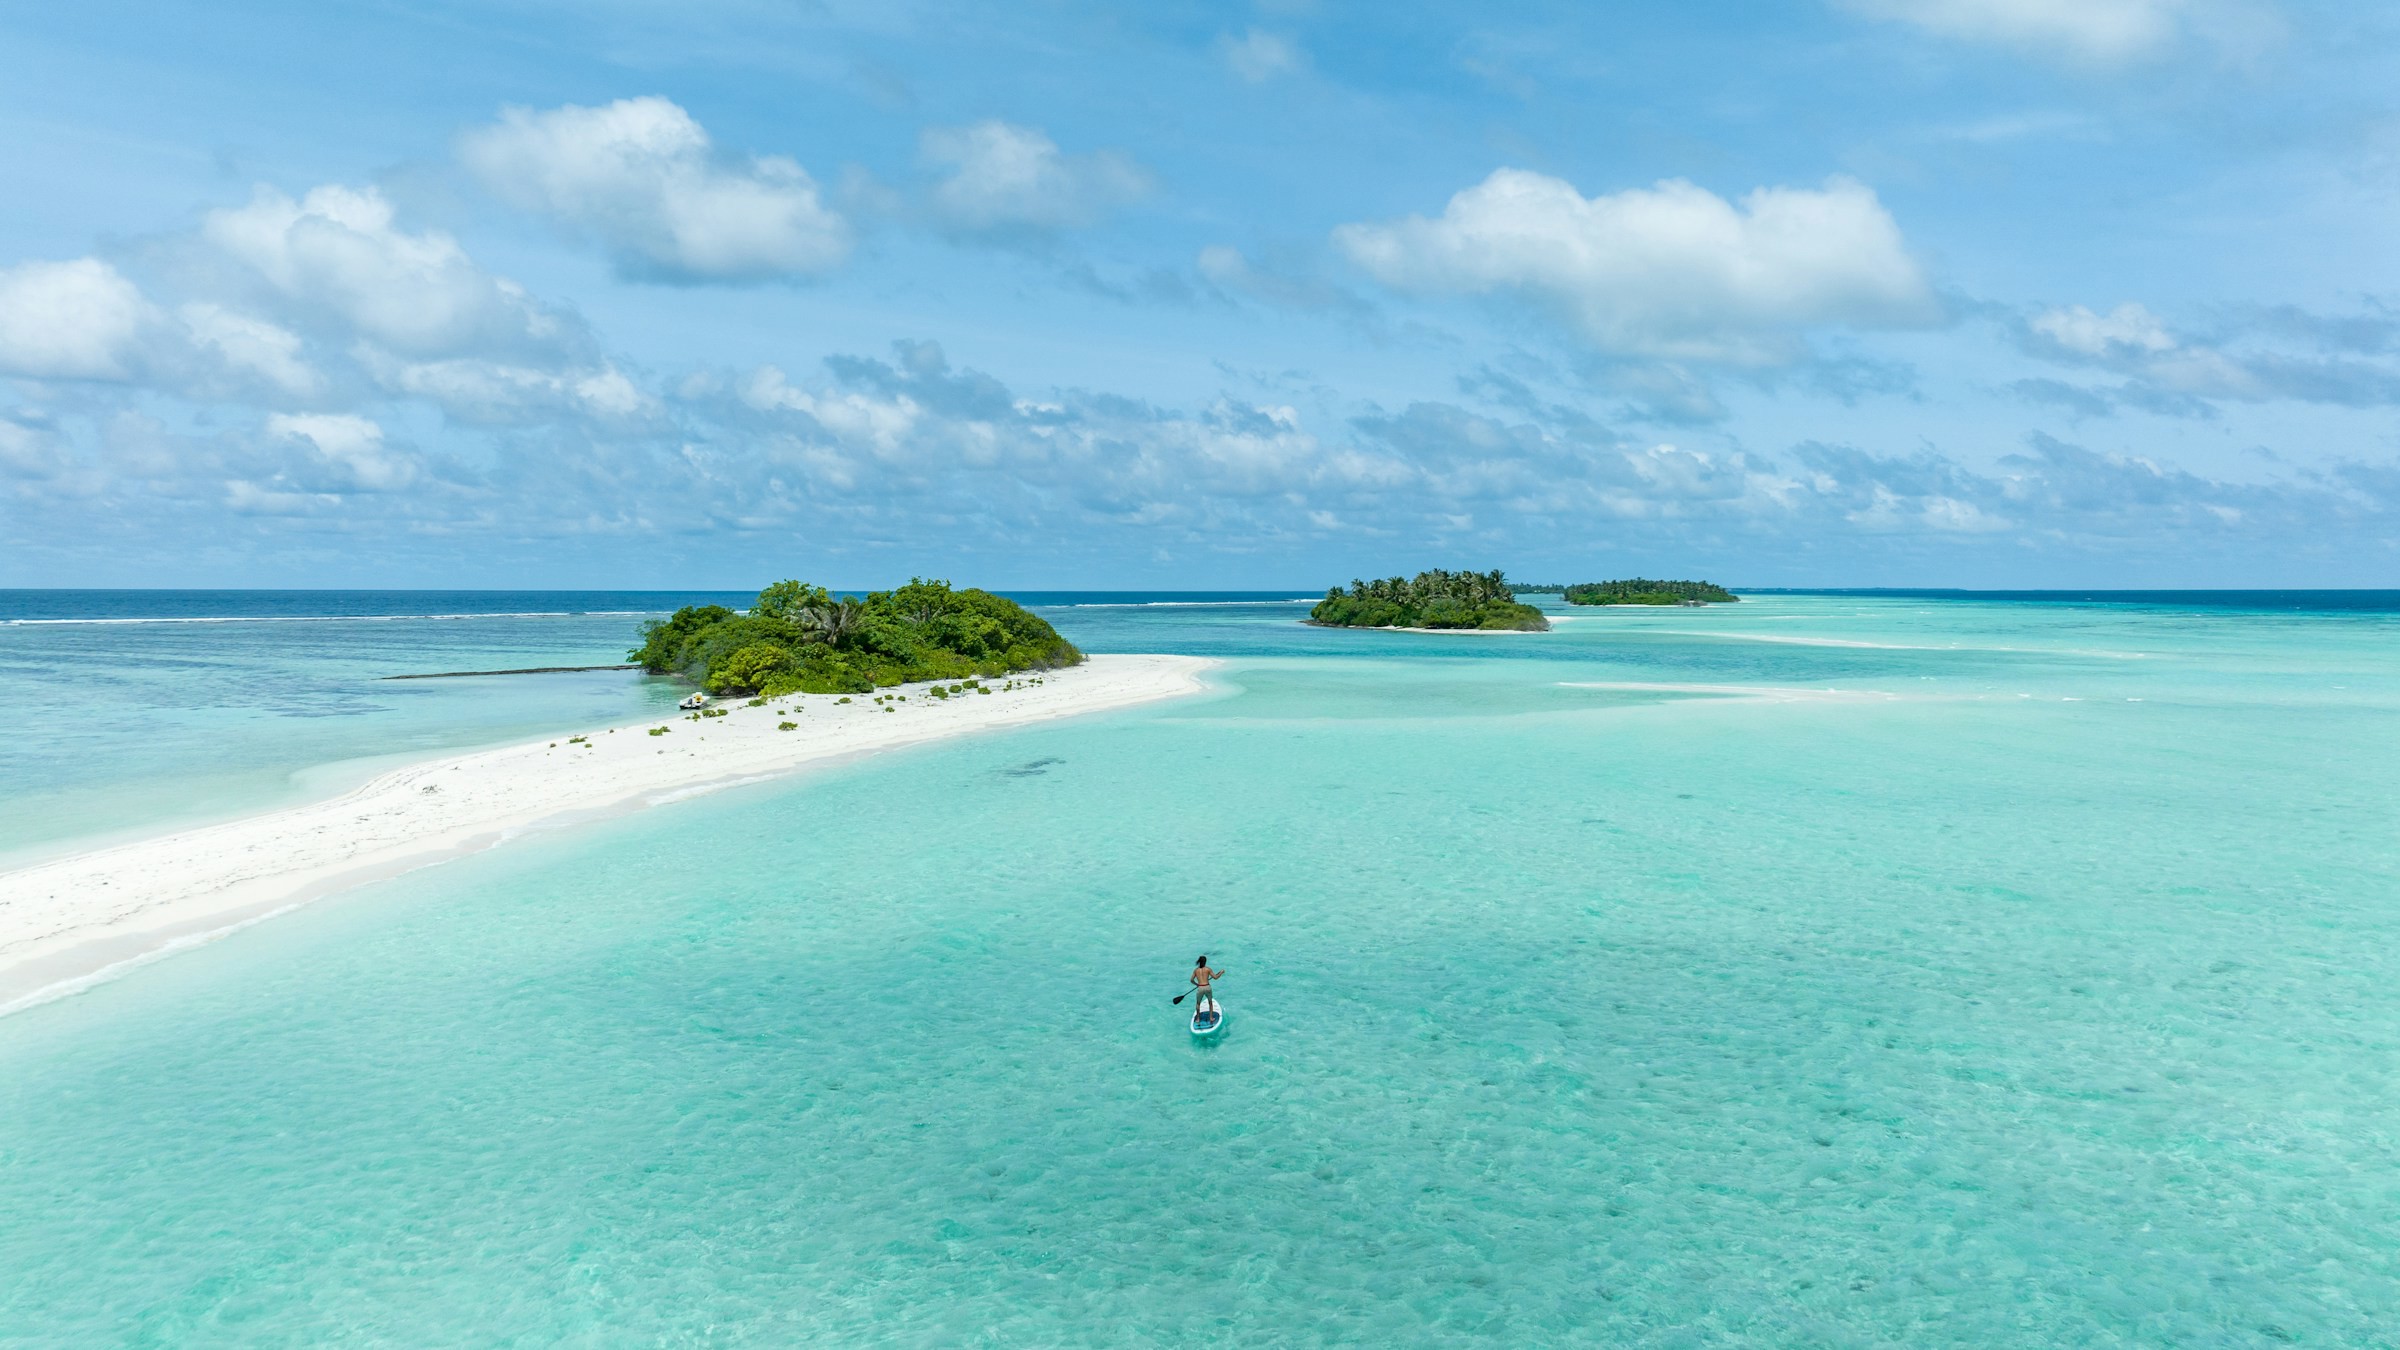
1435, 599
1645, 591
798, 638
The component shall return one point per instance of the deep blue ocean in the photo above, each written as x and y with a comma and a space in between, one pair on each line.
2308, 602
1823, 970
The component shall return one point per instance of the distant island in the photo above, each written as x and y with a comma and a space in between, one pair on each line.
801, 639
1437, 599
1644, 591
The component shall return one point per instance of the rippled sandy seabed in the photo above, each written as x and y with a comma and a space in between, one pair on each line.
1817, 971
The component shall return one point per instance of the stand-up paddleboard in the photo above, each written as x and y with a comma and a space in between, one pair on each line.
1207, 1021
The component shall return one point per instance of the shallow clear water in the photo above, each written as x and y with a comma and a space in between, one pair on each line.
2040, 988
147, 710
144, 710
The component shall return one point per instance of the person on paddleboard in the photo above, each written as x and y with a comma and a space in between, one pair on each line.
1202, 977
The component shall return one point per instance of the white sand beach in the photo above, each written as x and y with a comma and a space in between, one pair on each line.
69, 922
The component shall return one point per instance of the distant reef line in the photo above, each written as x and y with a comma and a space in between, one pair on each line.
527, 670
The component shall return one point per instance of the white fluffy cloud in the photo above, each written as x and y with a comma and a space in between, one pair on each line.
998, 177
338, 252
1259, 56
320, 304
911, 453
86, 320
484, 392
72, 320
918, 425
1672, 271
350, 446
2098, 31
641, 176
407, 313
2288, 356
876, 422
2129, 327
248, 345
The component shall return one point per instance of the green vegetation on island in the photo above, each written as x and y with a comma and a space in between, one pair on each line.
1434, 600
801, 639
1644, 591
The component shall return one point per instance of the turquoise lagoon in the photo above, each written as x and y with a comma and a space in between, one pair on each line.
2040, 986
139, 710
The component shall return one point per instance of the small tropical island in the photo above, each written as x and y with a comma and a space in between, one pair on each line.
1645, 591
802, 639
1482, 601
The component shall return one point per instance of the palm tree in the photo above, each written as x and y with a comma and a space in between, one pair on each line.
834, 621
920, 602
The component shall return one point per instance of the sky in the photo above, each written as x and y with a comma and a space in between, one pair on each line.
1982, 293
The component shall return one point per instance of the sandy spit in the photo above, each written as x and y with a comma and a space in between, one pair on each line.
71, 922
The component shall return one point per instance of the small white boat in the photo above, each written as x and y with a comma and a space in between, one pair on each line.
1208, 1021
693, 703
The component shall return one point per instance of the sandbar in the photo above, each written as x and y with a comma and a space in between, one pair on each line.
70, 922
